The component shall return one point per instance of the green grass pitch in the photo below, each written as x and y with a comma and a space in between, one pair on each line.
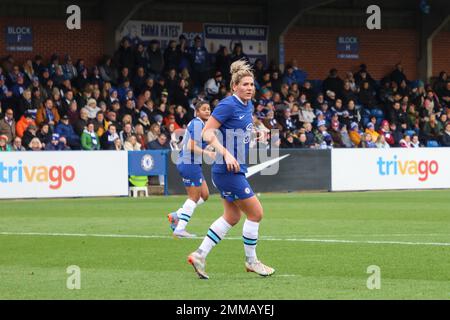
320, 244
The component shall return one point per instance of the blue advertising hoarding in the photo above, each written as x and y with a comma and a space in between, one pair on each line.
149, 163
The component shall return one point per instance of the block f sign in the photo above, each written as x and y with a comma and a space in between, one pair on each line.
74, 20
374, 20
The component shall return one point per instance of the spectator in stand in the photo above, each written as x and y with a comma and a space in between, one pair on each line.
100, 124
223, 62
381, 142
355, 136
131, 144
69, 70
289, 76
336, 135
366, 96
415, 143
238, 53
433, 129
118, 146
405, 142
371, 130
441, 81
107, 140
396, 133
38, 66
28, 70
92, 108
290, 141
155, 58
161, 143
367, 141
25, 121
213, 84
299, 75
124, 56
183, 52
144, 121
44, 134
126, 132
82, 122
364, 76
348, 93
17, 145
333, 83
48, 113
153, 133
35, 145
4, 145
89, 138
397, 75
386, 132
5, 93
29, 134
25, 104
444, 95
446, 136
140, 136
172, 57
107, 72
55, 144
8, 125
199, 63
394, 113
65, 130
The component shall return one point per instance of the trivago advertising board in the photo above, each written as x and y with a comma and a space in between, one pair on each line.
49, 174
384, 169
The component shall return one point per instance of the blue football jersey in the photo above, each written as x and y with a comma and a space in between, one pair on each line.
193, 132
237, 124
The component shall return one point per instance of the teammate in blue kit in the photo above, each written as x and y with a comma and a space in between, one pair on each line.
189, 166
233, 118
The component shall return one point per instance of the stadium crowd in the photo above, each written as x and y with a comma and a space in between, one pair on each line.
142, 97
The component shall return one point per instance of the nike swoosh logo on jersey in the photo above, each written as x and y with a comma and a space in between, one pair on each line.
260, 167
241, 117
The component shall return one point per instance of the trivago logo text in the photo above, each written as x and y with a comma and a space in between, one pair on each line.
423, 169
20, 173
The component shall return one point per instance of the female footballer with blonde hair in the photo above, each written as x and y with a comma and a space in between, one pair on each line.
233, 118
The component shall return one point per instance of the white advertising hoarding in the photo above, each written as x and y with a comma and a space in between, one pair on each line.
51, 174
385, 169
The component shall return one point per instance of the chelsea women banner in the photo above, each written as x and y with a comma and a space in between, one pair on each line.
386, 169
253, 39
48, 174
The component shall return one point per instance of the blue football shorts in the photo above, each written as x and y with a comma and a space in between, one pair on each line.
192, 174
232, 186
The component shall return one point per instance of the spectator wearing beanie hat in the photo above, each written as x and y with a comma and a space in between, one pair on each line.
355, 136
386, 132
371, 130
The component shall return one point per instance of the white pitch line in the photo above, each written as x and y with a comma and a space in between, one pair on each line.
136, 236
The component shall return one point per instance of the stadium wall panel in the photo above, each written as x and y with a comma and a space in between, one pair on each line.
52, 36
302, 170
316, 52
